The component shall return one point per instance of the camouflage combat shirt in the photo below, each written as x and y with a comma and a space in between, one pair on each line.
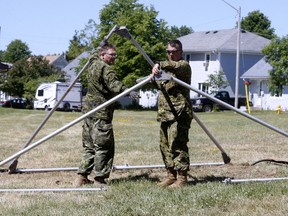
103, 84
174, 99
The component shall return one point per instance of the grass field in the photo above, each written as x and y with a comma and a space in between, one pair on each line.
134, 191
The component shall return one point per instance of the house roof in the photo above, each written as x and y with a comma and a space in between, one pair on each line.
51, 58
258, 71
4, 67
70, 69
223, 41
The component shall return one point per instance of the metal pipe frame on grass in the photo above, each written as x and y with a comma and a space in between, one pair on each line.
52, 190
229, 181
148, 79
114, 168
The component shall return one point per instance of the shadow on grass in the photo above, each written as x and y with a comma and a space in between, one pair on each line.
133, 178
146, 176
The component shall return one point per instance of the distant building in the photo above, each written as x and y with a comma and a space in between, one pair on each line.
70, 69
209, 52
258, 77
58, 61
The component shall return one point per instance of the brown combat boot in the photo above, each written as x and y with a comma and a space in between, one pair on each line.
82, 180
99, 182
181, 180
170, 179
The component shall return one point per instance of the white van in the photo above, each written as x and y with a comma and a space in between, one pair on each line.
48, 95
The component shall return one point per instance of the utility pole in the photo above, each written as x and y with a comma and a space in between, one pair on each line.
237, 53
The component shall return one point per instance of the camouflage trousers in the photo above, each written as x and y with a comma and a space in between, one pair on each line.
99, 147
173, 144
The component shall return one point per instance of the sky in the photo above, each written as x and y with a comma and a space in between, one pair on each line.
48, 26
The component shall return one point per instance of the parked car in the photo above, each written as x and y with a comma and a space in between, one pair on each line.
206, 105
18, 103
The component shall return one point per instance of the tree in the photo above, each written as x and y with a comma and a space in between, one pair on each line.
25, 76
217, 81
178, 32
258, 23
16, 51
1, 55
82, 40
276, 54
76, 47
151, 34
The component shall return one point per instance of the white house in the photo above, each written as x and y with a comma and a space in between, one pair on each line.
258, 76
209, 52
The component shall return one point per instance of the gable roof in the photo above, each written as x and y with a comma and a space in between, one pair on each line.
70, 69
51, 58
258, 71
4, 67
223, 41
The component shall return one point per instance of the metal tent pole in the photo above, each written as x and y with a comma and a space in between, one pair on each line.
114, 167
52, 190
123, 31
229, 181
148, 79
225, 157
230, 107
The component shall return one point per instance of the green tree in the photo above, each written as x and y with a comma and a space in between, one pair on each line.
16, 51
217, 81
178, 32
1, 56
276, 54
76, 47
25, 76
151, 33
82, 40
258, 23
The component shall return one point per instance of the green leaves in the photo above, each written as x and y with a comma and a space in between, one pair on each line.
256, 22
276, 53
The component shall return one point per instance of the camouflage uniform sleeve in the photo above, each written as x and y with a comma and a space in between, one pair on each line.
180, 69
112, 82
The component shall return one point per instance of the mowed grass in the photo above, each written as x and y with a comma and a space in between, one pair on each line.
134, 191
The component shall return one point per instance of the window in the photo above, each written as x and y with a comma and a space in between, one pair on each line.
40, 92
203, 87
207, 60
207, 57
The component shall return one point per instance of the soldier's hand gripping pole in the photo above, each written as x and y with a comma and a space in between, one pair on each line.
13, 165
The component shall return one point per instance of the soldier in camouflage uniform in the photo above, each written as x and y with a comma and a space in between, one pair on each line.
175, 116
97, 134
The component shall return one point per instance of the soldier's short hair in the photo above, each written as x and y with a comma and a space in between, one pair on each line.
176, 43
106, 47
